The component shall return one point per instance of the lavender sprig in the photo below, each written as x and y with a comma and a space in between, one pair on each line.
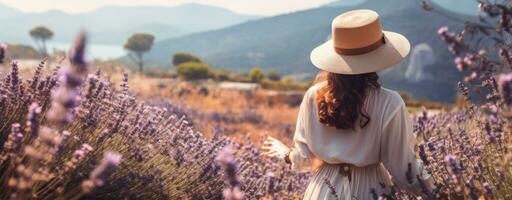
227, 162
66, 97
3, 52
100, 174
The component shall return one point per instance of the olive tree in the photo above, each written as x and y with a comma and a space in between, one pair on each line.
274, 76
41, 34
138, 44
256, 75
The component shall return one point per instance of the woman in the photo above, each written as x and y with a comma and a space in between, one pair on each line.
360, 131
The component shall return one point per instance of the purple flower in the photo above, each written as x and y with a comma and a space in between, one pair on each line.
77, 53
442, 31
454, 41
34, 115
505, 87
233, 194
14, 79
14, 140
460, 64
423, 154
3, 51
226, 161
225, 156
67, 96
78, 156
100, 174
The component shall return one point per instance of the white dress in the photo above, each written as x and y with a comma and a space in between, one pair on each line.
384, 148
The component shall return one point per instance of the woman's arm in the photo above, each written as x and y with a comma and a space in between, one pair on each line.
399, 157
299, 155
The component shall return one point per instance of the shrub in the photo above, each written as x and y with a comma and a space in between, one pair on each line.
194, 71
256, 75
240, 77
181, 58
222, 75
284, 85
156, 72
274, 76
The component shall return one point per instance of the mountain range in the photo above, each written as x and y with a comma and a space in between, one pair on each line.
8, 12
467, 7
237, 42
113, 24
284, 42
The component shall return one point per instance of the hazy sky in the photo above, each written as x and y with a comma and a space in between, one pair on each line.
259, 7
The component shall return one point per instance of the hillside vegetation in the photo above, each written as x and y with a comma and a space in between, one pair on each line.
284, 42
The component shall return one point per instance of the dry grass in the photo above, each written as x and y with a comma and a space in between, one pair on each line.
275, 111
272, 113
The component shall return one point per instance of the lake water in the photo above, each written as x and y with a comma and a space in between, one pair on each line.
95, 51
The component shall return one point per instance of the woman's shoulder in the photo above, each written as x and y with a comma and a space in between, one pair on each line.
311, 92
390, 95
317, 86
390, 101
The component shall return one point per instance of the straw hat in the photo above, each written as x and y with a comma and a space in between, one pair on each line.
359, 45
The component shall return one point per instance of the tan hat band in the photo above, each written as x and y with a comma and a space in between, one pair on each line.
362, 50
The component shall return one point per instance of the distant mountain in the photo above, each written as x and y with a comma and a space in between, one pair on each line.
468, 7
345, 3
284, 42
7, 12
190, 17
113, 23
160, 31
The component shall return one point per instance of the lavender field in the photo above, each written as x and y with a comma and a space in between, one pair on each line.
78, 139
68, 130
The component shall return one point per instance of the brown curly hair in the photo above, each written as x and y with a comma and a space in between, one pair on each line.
341, 101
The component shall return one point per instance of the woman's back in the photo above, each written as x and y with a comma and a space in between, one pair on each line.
360, 162
359, 146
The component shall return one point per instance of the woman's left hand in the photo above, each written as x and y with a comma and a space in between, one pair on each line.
274, 148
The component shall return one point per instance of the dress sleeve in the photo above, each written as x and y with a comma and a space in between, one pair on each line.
300, 155
397, 154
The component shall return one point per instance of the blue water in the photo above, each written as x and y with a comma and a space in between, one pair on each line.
94, 51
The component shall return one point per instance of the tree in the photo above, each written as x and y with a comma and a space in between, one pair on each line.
138, 44
41, 34
274, 76
222, 75
193, 71
256, 75
180, 58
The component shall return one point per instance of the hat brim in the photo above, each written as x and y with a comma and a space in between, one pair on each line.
396, 48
